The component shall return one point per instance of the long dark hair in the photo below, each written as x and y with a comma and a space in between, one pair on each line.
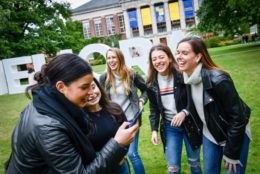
152, 71
112, 108
65, 67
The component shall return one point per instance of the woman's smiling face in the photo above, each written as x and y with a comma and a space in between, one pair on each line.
112, 60
160, 61
186, 58
93, 97
78, 91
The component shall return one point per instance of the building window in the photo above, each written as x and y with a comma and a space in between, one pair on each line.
190, 22
110, 25
133, 23
86, 29
98, 27
148, 30
163, 40
176, 24
161, 27
189, 13
174, 14
135, 32
121, 23
160, 17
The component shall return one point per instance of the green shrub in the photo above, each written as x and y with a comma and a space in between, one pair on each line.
95, 62
221, 41
213, 42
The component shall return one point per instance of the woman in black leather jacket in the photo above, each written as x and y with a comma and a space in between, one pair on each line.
168, 100
212, 94
51, 135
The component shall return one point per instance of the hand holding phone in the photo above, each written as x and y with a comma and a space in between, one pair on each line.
136, 117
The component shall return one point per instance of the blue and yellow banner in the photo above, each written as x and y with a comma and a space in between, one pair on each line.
174, 11
132, 19
188, 8
159, 13
146, 16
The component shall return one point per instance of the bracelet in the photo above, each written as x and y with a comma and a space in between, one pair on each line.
141, 100
185, 112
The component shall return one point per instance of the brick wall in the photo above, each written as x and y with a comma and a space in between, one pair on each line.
104, 26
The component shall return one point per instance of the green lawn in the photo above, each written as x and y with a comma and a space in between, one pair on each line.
241, 61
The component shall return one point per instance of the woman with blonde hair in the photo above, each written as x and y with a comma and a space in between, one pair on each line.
121, 83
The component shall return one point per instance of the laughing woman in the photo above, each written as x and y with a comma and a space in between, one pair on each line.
212, 94
121, 84
167, 96
51, 135
105, 118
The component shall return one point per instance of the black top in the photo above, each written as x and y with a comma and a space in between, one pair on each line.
105, 127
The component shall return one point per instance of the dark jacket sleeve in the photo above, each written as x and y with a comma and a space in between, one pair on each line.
55, 146
102, 79
230, 103
141, 85
154, 116
108, 157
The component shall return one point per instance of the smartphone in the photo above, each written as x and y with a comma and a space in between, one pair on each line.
136, 117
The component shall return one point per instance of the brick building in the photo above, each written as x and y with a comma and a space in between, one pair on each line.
151, 19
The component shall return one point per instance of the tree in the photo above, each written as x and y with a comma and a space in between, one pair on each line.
72, 36
31, 26
228, 16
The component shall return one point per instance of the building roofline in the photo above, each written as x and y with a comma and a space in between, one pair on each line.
95, 5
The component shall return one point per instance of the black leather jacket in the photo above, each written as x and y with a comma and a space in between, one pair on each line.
42, 144
191, 126
225, 113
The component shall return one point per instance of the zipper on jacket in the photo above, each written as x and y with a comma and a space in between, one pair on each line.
223, 119
220, 127
195, 123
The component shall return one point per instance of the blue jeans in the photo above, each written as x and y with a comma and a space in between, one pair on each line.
122, 169
212, 155
134, 156
173, 149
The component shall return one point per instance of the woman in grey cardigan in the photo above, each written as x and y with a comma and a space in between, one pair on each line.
121, 84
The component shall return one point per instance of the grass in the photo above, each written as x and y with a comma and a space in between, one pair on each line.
241, 61
10, 108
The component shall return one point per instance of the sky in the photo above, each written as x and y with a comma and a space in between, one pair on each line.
74, 3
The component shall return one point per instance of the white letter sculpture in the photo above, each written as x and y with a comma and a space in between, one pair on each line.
136, 52
13, 76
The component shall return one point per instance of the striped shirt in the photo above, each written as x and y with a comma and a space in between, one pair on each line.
166, 86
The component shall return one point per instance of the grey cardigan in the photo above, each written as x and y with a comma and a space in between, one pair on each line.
137, 82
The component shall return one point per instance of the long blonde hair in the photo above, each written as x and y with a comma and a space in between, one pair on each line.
123, 71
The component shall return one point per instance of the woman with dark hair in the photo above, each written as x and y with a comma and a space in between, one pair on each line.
167, 96
122, 83
51, 135
213, 99
105, 118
